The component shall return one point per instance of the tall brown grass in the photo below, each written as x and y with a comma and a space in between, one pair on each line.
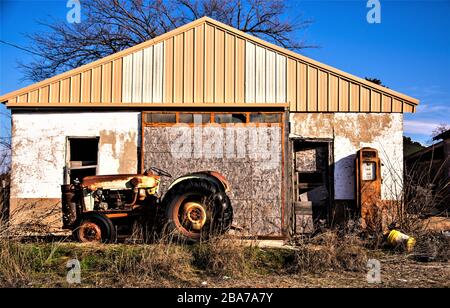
14, 264
220, 257
329, 251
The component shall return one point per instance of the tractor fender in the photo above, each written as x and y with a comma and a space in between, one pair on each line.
211, 176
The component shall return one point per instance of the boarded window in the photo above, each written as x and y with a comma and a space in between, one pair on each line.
305, 161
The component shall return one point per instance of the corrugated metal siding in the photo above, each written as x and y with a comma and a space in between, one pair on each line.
210, 63
142, 76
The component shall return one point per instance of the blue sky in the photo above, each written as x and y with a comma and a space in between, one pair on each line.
409, 50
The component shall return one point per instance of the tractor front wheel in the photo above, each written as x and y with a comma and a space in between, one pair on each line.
95, 228
196, 209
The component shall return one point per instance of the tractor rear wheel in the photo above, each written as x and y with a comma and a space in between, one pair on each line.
95, 228
196, 209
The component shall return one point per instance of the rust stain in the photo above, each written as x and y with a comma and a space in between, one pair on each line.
368, 191
109, 137
125, 154
128, 156
118, 215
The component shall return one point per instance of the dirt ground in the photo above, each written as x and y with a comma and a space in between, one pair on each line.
44, 264
394, 273
396, 270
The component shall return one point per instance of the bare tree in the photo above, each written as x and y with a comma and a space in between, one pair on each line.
441, 128
5, 163
108, 26
5, 141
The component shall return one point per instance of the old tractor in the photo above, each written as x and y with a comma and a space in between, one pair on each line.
105, 208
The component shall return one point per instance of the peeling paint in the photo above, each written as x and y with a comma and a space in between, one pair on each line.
123, 147
39, 148
352, 131
362, 127
312, 125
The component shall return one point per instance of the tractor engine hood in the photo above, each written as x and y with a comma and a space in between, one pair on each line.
121, 181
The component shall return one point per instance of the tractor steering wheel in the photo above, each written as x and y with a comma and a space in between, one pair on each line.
160, 172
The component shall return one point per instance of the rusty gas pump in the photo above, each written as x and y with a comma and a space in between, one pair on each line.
368, 186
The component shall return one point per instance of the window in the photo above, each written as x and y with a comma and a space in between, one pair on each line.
230, 118
199, 118
194, 118
81, 157
265, 117
161, 117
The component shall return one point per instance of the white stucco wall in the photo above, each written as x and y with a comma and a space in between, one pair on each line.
351, 132
39, 147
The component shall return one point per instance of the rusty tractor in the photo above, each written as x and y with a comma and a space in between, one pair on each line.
105, 208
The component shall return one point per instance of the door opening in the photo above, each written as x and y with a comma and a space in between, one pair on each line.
312, 183
81, 158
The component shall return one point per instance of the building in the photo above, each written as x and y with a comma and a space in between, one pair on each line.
428, 172
284, 129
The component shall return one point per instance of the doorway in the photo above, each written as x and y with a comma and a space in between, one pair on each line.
81, 158
312, 183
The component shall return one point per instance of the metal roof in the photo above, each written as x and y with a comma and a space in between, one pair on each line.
208, 63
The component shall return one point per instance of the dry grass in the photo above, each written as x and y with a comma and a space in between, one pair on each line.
14, 265
329, 251
329, 259
432, 246
44, 264
226, 257
149, 263
20, 262
424, 193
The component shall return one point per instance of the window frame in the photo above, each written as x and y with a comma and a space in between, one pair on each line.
212, 121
